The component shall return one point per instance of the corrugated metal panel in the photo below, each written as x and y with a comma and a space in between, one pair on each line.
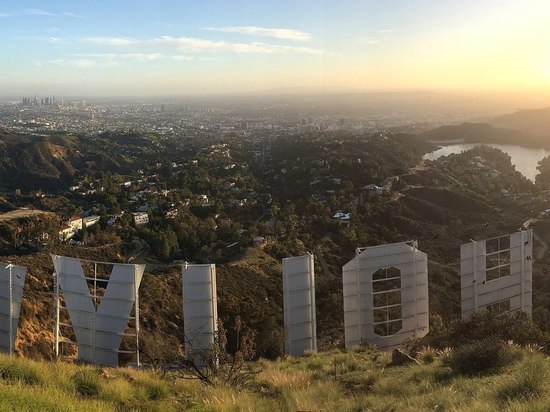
11, 277
200, 308
359, 307
299, 304
98, 332
515, 288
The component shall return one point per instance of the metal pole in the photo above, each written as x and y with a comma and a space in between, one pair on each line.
95, 313
286, 316
11, 309
312, 302
474, 255
213, 302
357, 285
183, 289
415, 245
136, 296
522, 246
56, 332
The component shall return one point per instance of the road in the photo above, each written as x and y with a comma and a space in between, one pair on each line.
21, 213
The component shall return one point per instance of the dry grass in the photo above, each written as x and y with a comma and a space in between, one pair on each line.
356, 380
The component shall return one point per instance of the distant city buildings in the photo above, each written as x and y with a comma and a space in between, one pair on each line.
42, 114
44, 101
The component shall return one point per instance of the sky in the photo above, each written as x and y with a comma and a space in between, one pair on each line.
184, 47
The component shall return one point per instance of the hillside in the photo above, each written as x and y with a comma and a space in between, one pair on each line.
483, 133
362, 379
535, 121
442, 204
292, 193
52, 162
250, 287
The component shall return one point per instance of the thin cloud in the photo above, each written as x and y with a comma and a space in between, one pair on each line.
141, 57
48, 39
369, 40
283, 34
37, 12
153, 49
71, 14
385, 31
182, 58
79, 63
109, 41
195, 45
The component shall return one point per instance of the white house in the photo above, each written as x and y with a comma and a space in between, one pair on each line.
66, 232
371, 186
90, 220
140, 218
342, 216
75, 223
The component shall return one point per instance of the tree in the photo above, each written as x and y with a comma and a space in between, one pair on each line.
215, 366
543, 178
163, 243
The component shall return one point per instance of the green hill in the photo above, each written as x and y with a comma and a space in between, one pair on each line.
51, 162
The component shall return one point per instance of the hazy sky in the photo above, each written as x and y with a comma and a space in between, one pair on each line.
145, 47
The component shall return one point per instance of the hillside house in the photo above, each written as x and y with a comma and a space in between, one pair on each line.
75, 223
66, 232
342, 217
90, 220
171, 214
140, 218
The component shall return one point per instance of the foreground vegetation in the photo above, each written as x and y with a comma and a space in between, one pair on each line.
510, 377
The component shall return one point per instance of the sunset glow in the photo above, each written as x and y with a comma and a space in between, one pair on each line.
172, 47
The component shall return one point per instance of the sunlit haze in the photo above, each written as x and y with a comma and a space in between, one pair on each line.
169, 47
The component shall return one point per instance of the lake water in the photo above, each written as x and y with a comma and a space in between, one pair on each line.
525, 159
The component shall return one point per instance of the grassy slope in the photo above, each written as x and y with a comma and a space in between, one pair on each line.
337, 380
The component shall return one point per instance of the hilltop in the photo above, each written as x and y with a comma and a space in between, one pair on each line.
51, 162
483, 133
534, 121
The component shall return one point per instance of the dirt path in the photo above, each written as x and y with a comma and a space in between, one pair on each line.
22, 213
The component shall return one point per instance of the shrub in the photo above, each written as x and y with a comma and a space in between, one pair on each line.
215, 366
481, 357
315, 364
156, 390
426, 355
19, 371
87, 383
518, 327
528, 384
357, 382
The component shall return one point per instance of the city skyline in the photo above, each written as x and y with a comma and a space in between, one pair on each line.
152, 48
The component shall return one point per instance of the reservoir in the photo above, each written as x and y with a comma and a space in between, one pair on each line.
525, 159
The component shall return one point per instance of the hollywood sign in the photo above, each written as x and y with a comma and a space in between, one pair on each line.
385, 298
386, 295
